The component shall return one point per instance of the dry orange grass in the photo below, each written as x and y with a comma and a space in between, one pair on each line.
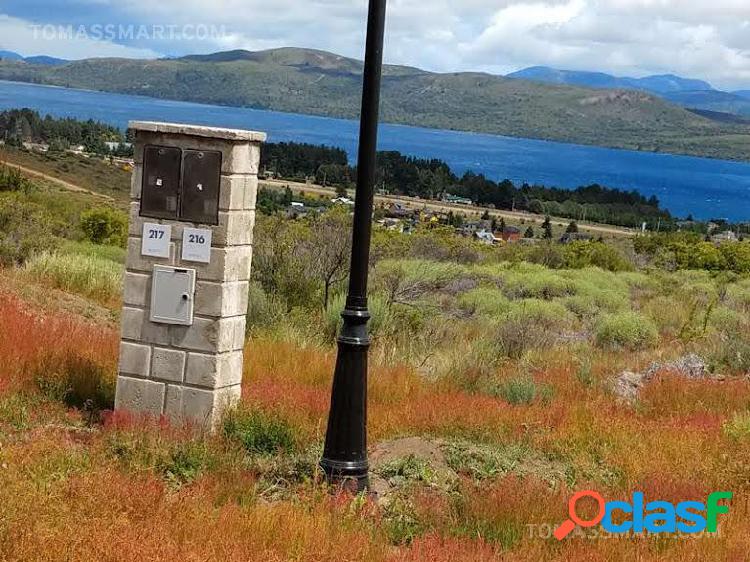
66, 494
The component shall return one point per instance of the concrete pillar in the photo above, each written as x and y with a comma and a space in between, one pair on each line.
190, 373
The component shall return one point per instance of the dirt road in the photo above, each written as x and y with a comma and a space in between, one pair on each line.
62, 183
439, 206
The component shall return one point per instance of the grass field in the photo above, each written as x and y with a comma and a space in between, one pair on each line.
491, 401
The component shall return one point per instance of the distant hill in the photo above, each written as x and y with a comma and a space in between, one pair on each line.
689, 93
712, 100
10, 55
321, 83
656, 84
44, 60
743, 94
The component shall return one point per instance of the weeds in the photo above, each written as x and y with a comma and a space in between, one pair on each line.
259, 433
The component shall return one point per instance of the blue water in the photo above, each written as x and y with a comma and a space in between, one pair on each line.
685, 185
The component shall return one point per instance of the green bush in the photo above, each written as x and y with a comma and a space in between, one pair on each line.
517, 390
541, 283
105, 225
259, 432
579, 255
11, 179
487, 301
626, 329
25, 230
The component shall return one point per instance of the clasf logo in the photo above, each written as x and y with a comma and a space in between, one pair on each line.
653, 517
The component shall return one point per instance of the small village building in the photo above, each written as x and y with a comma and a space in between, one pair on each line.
456, 200
511, 234
570, 237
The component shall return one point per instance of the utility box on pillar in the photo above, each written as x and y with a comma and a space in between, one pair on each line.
192, 214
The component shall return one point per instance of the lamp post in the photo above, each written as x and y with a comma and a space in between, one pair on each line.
345, 454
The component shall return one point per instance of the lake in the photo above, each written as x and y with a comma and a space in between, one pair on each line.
704, 187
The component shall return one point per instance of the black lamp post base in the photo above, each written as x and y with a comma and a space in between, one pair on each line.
345, 454
352, 477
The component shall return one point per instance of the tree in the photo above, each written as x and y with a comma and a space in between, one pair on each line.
572, 228
330, 247
529, 232
547, 227
486, 215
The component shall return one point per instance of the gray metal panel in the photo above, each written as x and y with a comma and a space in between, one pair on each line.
172, 295
160, 192
201, 180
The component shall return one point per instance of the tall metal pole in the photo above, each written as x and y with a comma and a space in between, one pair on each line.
345, 454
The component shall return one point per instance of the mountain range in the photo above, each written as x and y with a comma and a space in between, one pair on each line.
41, 59
690, 93
322, 83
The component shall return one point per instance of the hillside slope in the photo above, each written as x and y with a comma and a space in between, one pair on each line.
315, 82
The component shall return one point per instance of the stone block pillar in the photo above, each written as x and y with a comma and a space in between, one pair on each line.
190, 373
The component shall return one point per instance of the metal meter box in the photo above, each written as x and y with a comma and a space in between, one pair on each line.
172, 295
160, 193
201, 178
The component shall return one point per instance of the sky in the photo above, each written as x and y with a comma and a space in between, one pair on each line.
706, 39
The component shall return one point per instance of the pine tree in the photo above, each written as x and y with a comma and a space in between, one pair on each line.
547, 227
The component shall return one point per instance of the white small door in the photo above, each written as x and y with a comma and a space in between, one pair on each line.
172, 295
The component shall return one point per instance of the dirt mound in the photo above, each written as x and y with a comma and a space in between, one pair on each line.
395, 464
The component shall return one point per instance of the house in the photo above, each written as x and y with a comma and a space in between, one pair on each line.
112, 146
296, 211
726, 236
398, 211
510, 234
570, 237
456, 200
394, 225
470, 228
485, 236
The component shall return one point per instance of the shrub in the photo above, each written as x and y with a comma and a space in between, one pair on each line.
517, 390
11, 179
579, 255
259, 432
25, 230
542, 283
105, 225
263, 310
626, 329
487, 301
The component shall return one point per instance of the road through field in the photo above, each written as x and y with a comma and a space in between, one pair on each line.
62, 183
439, 206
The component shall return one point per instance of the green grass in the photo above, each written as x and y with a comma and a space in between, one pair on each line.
92, 276
258, 432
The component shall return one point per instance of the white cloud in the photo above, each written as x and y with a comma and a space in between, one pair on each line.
32, 39
707, 39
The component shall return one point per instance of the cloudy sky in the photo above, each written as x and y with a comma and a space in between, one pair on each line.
708, 39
